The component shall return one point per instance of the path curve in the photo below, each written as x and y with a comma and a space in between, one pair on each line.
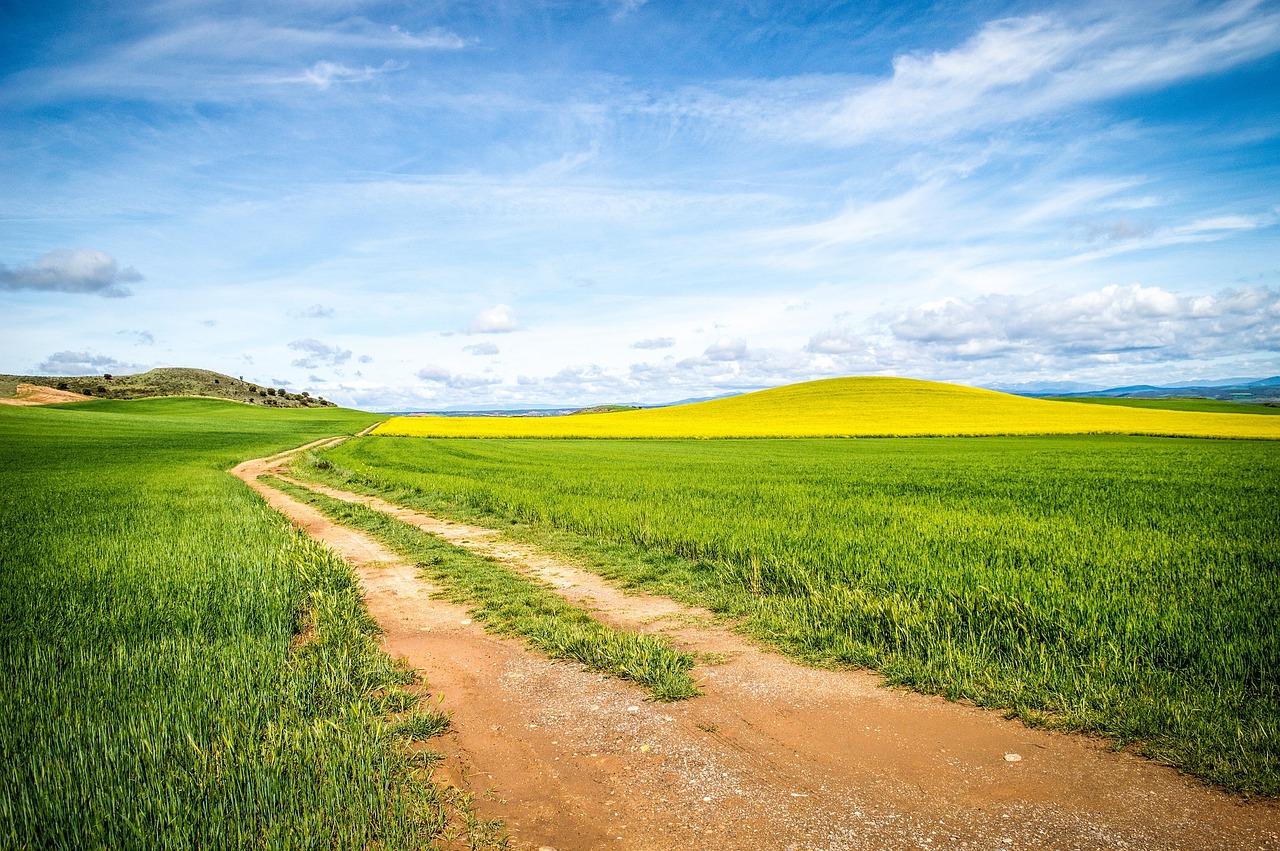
774, 754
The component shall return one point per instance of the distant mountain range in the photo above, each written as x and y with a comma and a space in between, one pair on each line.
1228, 390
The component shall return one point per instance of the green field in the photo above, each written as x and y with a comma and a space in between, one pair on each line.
1122, 585
179, 668
1205, 406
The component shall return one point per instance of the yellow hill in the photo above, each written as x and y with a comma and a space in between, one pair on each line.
853, 407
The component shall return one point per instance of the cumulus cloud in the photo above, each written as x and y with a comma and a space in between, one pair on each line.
499, 319
316, 354
654, 343
727, 349
81, 363
455, 381
315, 311
1134, 323
72, 270
482, 349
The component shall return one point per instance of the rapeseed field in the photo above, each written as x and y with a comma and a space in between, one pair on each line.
853, 407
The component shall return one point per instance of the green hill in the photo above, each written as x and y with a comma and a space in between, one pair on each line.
167, 381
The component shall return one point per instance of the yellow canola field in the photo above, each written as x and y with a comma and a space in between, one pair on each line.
853, 407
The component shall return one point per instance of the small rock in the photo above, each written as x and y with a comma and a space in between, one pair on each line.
465, 621
1013, 757
644, 749
633, 708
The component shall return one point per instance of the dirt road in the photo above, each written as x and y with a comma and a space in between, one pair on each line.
774, 755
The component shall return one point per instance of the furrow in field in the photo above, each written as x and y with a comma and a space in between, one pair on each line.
774, 754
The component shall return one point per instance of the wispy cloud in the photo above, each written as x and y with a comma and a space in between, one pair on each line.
654, 343
1011, 70
325, 74
141, 338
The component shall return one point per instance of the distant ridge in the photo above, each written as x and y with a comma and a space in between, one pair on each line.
1227, 390
166, 381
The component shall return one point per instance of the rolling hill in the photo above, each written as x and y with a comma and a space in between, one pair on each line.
157, 382
854, 407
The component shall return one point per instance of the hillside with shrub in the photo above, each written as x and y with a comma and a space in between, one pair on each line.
167, 381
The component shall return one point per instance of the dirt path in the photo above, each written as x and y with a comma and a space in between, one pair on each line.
773, 755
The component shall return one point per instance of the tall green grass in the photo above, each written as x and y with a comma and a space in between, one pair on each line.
1121, 585
178, 667
511, 604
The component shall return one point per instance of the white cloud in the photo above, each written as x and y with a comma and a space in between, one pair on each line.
316, 353
500, 319
1021, 67
315, 311
482, 349
82, 363
727, 349
1011, 70
455, 381
654, 343
72, 270
836, 342
1122, 323
324, 74
1211, 229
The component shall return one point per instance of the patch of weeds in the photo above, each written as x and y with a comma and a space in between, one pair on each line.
421, 726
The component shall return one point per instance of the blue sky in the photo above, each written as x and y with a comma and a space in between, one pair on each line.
427, 205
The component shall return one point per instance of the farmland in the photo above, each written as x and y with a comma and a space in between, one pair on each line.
180, 667
1121, 585
856, 407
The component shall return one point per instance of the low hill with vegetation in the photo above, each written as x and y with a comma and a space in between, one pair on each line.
164, 381
855, 407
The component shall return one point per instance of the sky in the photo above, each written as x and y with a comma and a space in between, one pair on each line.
432, 205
